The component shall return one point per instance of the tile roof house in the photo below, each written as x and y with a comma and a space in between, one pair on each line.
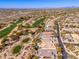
47, 49
45, 35
47, 53
49, 26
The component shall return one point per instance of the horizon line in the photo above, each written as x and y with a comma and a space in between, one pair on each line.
39, 8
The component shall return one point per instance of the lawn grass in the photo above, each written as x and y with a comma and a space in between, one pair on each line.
16, 49
7, 30
38, 22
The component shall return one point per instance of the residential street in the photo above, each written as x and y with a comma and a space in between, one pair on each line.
64, 54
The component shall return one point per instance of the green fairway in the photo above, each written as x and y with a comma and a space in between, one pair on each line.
7, 30
38, 22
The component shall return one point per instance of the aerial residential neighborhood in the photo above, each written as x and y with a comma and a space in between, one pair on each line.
39, 29
45, 36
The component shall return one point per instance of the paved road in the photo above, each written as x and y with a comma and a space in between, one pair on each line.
64, 54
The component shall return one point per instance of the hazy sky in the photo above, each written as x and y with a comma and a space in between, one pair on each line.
38, 3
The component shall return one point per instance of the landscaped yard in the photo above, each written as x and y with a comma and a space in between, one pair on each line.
7, 30
26, 40
16, 49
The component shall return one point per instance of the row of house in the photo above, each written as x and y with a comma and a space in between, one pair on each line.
47, 48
